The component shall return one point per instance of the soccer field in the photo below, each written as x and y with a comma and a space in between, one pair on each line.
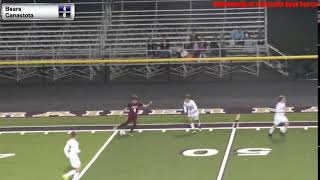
157, 151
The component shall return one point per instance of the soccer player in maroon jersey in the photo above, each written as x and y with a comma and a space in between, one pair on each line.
133, 108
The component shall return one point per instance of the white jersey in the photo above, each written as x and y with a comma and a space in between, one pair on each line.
71, 148
190, 108
279, 116
280, 109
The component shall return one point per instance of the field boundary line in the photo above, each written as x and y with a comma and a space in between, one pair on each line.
167, 129
151, 124
150, 127
95, 157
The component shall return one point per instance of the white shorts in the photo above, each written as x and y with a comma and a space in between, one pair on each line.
278, 119
194, 116
75, 161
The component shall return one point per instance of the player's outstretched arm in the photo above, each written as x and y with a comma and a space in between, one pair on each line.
147, 105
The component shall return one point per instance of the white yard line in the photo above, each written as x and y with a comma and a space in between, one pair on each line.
158, 129
95, 157
228, 149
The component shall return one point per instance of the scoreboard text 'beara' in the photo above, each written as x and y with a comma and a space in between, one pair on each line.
37, 11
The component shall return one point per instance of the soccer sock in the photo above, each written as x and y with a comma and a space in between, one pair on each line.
285, 129
123, 124
199, 124
76, 176
192, 125
70, 173
271, 130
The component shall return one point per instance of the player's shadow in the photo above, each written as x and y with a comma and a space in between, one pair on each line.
278, 139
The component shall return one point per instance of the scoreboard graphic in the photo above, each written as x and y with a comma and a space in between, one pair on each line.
64, 11
37, 11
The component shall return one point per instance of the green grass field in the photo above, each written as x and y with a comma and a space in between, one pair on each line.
158, 155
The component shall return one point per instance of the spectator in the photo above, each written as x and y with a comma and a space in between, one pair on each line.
164, 47
249, 44
237, 36
214, 48
151, 47
260, 37
203, 46
194, 45
176, 50
248, 40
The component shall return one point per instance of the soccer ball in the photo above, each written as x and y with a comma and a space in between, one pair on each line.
122, 133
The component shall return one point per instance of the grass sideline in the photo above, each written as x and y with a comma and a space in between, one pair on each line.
149, 119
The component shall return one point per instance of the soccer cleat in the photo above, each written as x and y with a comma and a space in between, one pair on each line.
269, 134
130, 134
65, 177
194, 131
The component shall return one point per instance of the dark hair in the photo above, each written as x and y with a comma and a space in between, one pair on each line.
134, 97
73, 134
187, 96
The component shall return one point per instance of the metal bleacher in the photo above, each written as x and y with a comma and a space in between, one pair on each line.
130, 30
119, 29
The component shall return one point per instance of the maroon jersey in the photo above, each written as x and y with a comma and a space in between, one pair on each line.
134, 109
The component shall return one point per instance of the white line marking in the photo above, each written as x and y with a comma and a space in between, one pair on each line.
166, 129
6, 155
97, 125
238, 117
95, 157
226, 155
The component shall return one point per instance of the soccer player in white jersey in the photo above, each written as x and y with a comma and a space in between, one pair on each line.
71, 150
191, 110
280, 117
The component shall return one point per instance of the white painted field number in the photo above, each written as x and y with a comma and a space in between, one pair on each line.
239, 152
200, 152
253, 151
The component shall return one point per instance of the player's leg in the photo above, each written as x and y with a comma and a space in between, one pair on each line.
75, 164
69, 174
134, 124
76, 175
271, 130
124, 124
197, 119
191, 122
286, 125
276, 123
